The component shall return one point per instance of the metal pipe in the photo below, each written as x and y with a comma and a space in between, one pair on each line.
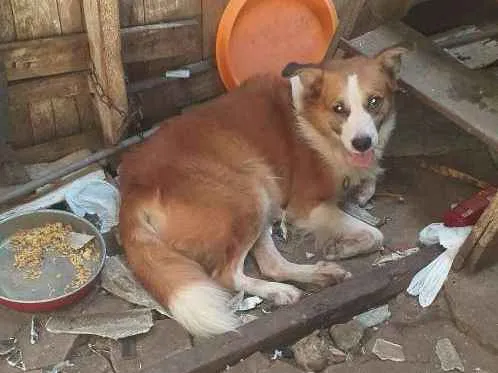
31, 186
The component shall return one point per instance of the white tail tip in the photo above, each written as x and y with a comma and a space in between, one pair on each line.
202, 308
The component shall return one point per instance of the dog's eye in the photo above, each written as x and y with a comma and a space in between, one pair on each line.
374, 103
339, 108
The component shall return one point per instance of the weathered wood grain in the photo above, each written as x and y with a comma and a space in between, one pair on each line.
467, 97
66, 116
42, 120
167, 10
212, 11
71, 16
58, 148
131, 12
43, 57
7, 30
104, 37
287, 324
86, 113
35, 19
21, 133
164, 40
62, 86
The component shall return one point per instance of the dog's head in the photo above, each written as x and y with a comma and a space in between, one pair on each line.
347, 101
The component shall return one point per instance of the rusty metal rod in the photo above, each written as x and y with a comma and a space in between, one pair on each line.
31, 186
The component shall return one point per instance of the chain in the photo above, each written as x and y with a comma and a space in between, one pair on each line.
133, 116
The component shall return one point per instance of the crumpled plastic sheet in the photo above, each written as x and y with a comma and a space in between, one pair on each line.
95, 197
429, 280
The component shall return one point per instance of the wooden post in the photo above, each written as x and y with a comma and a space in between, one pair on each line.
481, 247
106, 73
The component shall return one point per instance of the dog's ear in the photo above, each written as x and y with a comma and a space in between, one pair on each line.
293, 67
390, 60
312, 80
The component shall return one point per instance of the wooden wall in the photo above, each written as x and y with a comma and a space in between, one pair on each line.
45, 48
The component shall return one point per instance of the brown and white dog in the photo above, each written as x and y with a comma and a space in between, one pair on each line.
203, 191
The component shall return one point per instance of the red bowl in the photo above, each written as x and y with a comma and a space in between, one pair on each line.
46, 293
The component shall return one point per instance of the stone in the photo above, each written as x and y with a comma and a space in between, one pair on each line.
347, 337
473, 299
386, 350
258, 363
165, 339
407, 312
315, 352
374, 317
448, 356
11, 322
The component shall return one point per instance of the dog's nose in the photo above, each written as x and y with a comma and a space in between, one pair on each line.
362, 143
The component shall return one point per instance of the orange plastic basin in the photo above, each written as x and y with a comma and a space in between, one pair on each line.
260, 36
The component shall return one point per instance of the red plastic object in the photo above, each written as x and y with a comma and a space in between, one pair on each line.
468, 212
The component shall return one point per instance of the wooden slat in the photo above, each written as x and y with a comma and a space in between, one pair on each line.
43, 57
52, 56
467, 97
212, 11
61, 86
21, 133
131, 13
42, 121
7, 30
35, 19
58, 148
71, 16
158, 103
65, 116
167, 10
143, 43
86, 112
288, 324
103, 29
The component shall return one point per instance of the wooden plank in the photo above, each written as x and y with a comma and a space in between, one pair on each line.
61, 86
52, 56
58, 148
167, 10
71, 16
212, 11
66, 116
287, 324
43, 57
86, 113
481, 247
42, 121
164, 40
131, 12
467, 97
102, 25
35, 19
21, 133
158, 102
7, 31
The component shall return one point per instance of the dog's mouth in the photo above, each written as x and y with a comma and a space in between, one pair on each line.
361, 160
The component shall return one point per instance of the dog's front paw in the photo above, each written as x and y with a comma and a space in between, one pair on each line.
361, 242
282, 294
328, 273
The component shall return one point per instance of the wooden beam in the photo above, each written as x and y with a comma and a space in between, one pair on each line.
481, 247
61, 86
286, 325
64, 54
469, 98
212, 10
107, 74
163, 40
43, 57
58, 148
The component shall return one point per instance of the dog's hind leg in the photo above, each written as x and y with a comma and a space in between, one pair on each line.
274, 265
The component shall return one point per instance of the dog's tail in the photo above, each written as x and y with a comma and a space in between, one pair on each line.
183, 286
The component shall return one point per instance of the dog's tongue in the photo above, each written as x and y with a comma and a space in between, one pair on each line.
362, 160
